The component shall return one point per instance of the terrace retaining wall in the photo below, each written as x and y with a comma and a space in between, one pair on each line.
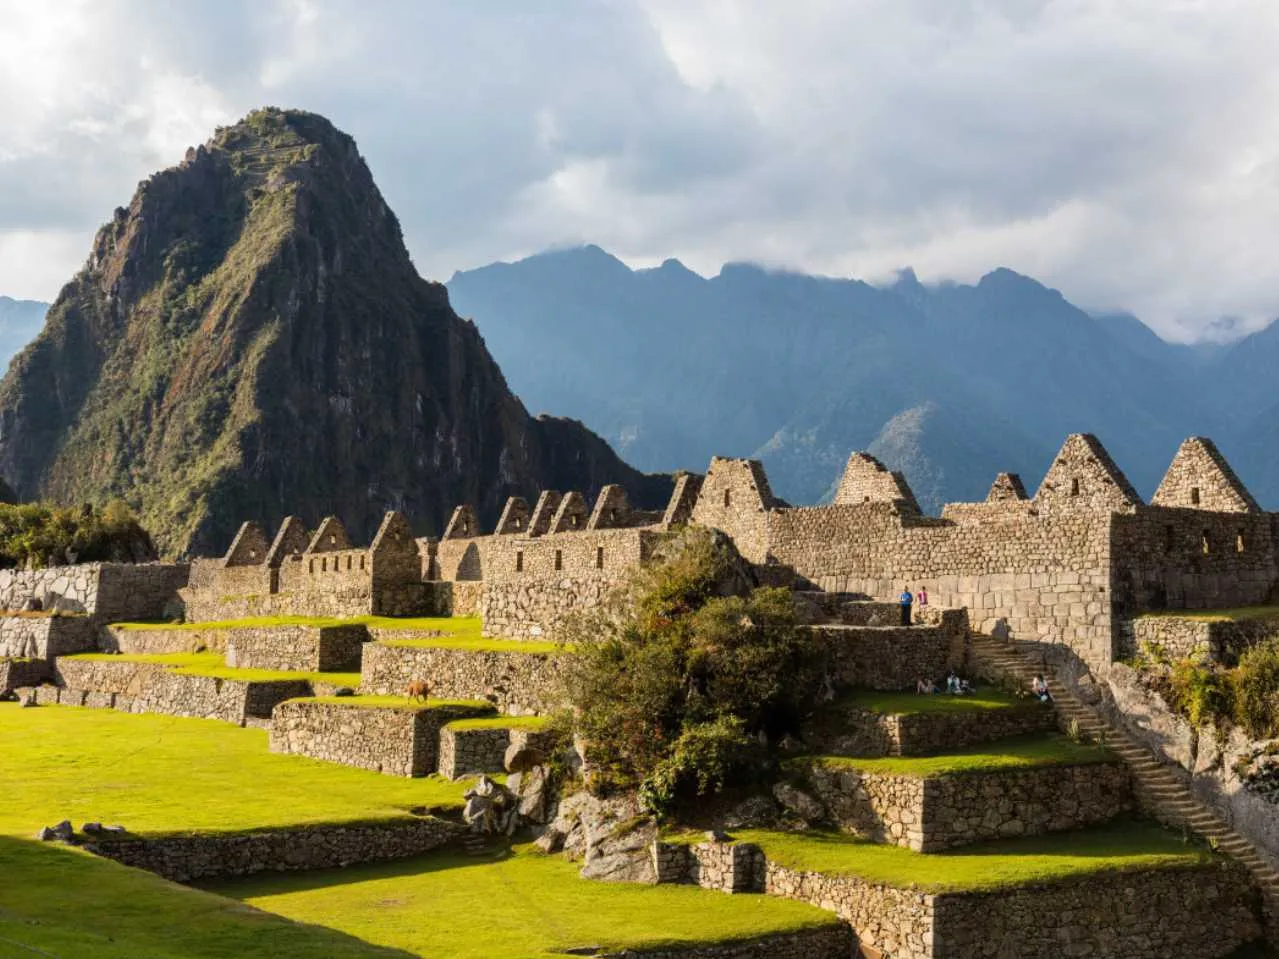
861, 732
152, 688
298, 648
1220, 641
44, 637
893, 658
517, 683
23, 672
186, 858
391, 740
835, 940
942, 812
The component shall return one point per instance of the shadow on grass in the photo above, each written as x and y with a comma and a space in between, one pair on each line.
57, 901
277, 883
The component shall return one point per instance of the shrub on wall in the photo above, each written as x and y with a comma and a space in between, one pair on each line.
1256, 691
679, 687
41, 534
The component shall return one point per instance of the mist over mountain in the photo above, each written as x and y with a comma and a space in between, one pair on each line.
249, 338
951, 383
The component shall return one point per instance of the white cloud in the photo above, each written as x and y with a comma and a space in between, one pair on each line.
1125, 151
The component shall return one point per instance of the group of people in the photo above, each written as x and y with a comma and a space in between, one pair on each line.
955, 686
908, 600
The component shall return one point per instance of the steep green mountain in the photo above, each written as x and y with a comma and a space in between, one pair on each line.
20, 321
951, 383
249, 339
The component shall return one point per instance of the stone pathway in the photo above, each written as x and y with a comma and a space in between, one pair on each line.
1158, 787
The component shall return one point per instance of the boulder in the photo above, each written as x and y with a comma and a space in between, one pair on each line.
531, 792
521, 758
621, 851
757, 812
799, 803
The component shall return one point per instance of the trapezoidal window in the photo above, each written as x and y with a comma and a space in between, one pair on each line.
559, 559
333, 539
1206, 544
1241, 545
1170, 538
324, 564
728, 498
599, 557
1074, 486
572, 520
519, 561
1194, 496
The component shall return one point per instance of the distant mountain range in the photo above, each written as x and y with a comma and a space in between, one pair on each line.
951, 383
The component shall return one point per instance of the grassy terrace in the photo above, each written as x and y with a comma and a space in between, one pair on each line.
913, 704
396, 702
212, 664
1123, 845
160, 774
527, 905
444, 624
502, 722
1238, 614
1021, 752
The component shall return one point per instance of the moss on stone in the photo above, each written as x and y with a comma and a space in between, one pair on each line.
1238, 614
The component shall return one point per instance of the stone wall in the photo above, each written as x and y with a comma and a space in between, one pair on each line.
1149, 914
298, 648
859, 732
520, 684
835, 940
894, 658
115, 639
468, 752
149, 688
109, 592
16, 672
44, 637
942, 812
1220, 641
187, 858
536, 607
389, 740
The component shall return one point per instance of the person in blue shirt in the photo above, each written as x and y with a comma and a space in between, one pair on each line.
907, 599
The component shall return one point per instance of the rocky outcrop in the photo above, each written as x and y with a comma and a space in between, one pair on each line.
250, 337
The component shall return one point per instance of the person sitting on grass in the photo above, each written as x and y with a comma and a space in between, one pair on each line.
925, 687
953, 685
1039, 689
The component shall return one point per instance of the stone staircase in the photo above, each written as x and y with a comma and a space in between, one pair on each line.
1159, 789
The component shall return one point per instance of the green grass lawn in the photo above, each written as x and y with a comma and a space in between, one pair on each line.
396, 702
480, 644
162, 774
1237, 614
67, 904
1121, 845
534, 723
213, 664
527, 905
913, 704
1021, 752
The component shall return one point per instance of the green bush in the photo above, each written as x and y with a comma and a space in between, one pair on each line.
676, 688
41, 534
1203, 694
1256, 691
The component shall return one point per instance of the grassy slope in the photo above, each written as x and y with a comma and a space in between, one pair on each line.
529, 905
459, 625
1022, 752
502, 722
61, 902
913, 704
158, 774
1116, 846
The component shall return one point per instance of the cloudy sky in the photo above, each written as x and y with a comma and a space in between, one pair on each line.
1124, 151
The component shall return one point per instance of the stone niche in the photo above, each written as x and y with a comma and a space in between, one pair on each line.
394, 740
942, 812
